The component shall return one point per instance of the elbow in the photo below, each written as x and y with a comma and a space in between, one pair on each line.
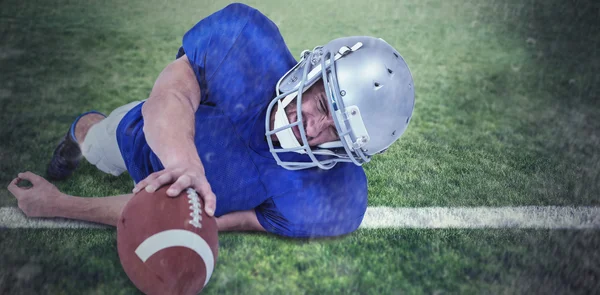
147, 106
239, 221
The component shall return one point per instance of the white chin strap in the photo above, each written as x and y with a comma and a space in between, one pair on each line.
286, 136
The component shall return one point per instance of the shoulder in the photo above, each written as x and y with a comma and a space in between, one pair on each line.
254, 22
235, 24
241, 13
236, 10
239, 7
231, 18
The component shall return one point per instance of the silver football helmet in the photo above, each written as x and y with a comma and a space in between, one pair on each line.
370, 93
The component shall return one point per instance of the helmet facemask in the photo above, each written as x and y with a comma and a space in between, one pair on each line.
315, 61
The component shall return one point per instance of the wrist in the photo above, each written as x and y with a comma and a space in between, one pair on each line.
60, 205
183, 153
178, 159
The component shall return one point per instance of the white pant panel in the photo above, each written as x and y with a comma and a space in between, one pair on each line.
100, 146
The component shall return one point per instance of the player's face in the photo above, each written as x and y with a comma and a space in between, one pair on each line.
317, 120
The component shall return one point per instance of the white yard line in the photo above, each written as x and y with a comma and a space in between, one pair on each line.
13, 217
548, 217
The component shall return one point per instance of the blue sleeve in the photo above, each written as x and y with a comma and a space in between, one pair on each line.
327, 206
207, 43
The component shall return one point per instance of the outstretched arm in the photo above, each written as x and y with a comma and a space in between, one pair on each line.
169, 128
100, 210
43, 199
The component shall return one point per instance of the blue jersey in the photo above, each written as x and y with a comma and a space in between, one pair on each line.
238, 55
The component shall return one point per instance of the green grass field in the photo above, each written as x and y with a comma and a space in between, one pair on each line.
507, 114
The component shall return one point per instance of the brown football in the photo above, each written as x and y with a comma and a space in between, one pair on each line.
167, 245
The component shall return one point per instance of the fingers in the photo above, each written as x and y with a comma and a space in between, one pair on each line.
12, 186
164, 179
142, 184
152, 182
29, 176
32, 177
201, 186
182, 183
159, 181
210, 200
210, 204
145, 184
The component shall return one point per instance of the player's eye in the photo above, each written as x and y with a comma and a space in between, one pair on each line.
323, 106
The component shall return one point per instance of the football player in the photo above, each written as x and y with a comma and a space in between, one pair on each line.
271, 144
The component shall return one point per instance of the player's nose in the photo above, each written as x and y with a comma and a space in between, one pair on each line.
316, 127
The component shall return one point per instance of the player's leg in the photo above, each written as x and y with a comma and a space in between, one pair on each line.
67, 154
85, 123
100, 146
92, 136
